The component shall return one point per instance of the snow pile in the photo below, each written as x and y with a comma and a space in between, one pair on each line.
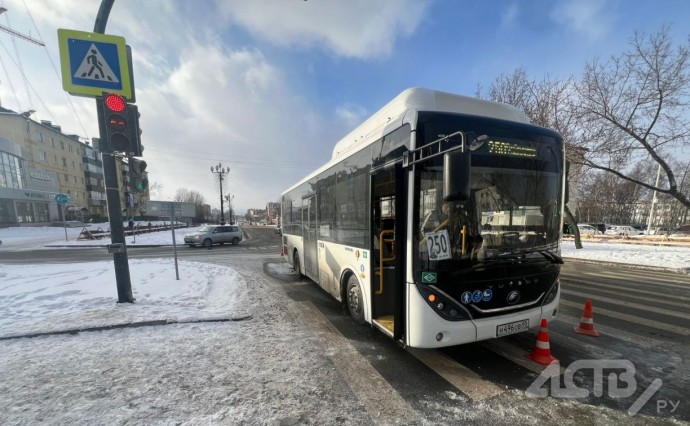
48, 297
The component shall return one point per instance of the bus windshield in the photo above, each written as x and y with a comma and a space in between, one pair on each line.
513, 209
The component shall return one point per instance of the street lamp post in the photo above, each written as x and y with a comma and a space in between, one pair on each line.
221, 172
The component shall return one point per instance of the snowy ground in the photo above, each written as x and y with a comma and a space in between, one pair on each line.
232, 343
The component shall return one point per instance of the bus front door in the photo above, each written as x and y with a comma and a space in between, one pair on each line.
388, 250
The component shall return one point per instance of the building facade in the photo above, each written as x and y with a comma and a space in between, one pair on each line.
37, 161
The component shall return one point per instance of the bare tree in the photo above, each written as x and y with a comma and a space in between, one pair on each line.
547, 103
155, 189
633, 108
184, 195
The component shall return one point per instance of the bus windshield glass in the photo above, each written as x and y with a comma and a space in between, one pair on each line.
514, 207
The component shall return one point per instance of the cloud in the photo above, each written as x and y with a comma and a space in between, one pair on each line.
354, 28
205, 97
509, 15
586, 17
351, 114
234, 107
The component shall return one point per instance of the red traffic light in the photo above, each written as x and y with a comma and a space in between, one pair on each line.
115, 103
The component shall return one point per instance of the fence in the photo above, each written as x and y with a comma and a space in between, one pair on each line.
99, 233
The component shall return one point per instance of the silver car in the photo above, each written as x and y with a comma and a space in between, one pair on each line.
214, 234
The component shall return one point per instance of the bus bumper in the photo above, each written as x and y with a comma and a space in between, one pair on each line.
426, 329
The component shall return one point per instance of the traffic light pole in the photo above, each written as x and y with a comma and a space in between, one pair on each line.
112, 187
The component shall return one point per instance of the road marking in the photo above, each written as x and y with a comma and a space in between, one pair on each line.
589, 286
627, 304
675, 283
634, 319
466, 380
376, 395
617, 333
514, 353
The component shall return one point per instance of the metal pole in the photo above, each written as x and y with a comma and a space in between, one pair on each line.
117, 232
172, 216
64, 220
222, 216
651, 209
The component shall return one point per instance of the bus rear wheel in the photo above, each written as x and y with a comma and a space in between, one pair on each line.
295, 264
354, 300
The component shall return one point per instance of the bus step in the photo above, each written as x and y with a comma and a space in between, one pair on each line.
385, 324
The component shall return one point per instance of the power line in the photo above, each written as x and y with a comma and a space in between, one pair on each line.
239, 162
10, 31
52, 64
9, 80
30, 86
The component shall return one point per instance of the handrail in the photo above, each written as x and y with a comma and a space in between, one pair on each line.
417, 153
382, 259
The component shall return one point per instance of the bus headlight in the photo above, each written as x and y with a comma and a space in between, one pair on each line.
553, 292
442, 304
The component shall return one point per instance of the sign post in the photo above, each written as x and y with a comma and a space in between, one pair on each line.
93, 64
160, 208
62, 199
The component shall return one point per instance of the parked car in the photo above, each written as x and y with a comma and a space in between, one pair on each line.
623, 230
587, 229
214, 234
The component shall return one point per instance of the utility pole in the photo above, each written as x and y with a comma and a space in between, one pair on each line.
221, 172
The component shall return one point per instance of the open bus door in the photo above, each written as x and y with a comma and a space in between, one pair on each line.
388, 250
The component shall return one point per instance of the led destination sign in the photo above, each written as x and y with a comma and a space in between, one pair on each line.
511, 149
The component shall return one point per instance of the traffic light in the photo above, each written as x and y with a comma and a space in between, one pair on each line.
138, 178
135, 132
121, 125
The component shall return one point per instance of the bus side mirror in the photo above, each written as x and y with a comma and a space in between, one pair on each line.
456, 176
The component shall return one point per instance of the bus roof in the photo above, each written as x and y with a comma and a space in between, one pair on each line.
392, 115
420, 99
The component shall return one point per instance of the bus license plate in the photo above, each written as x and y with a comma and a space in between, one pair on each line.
512, 328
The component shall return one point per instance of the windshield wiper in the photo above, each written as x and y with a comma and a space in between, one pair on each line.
520, 255
551, 256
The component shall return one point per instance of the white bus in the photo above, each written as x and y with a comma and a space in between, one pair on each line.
438, 220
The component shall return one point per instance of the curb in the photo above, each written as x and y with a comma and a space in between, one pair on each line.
240, 316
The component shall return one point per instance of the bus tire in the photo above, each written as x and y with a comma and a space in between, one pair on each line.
355, 304
295, 264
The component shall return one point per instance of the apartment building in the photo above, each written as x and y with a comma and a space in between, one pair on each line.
38, 160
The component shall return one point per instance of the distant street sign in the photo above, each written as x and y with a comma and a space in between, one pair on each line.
94, 63
61, 198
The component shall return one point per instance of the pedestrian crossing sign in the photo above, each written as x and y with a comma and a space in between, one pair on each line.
94, 63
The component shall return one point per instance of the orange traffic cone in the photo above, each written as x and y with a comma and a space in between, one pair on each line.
587, 321
542, 350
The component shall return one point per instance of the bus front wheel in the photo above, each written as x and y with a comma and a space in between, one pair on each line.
354, 300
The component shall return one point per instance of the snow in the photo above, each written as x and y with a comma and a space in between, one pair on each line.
641, 255
230, 340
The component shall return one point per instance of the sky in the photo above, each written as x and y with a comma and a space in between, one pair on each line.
268, 87
107, 375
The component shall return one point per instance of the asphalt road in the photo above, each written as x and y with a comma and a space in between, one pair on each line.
258, 240
642, 317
